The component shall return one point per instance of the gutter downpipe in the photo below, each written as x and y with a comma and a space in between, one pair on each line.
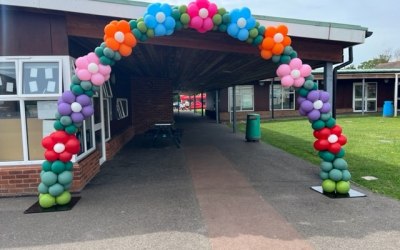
396, 93
335, 70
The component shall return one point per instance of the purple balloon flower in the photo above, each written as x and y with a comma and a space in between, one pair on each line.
78, 107
315, 104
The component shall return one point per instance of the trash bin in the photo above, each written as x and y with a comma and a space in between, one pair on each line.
388, 108
253, 132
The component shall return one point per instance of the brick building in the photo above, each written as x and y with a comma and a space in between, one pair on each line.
41, 39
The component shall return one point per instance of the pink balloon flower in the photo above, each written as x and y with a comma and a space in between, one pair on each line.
89, 68
201, 13
294, 73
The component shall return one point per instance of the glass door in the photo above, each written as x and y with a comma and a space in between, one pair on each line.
368, 101
99, 132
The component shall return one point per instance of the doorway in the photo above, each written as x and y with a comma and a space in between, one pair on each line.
365, 97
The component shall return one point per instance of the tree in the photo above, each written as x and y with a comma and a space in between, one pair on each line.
382, 58
351, 66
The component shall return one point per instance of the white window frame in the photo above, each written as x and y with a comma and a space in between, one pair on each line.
366, 99
122, 108
290, 91
16, 66
65, 73
239, 95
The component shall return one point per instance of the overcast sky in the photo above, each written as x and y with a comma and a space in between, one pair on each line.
379, 16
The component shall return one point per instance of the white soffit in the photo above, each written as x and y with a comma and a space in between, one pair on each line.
132, 9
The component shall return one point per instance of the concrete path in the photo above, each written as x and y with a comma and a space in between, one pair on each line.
215, 192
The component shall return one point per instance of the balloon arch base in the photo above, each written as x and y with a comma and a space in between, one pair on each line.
36, 208
334, 195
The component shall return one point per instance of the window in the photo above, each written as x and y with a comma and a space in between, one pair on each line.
368, 101
244, 98
29, 89
282, 98
122, 108
8, 78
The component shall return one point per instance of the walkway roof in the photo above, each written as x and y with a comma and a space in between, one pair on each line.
194, 61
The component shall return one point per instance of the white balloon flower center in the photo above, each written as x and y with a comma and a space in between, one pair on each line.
59, 148
318, 104
278, 37
76, 107
93, 68
203, 13
333, 138
241, 23
160, 17
295, 73
119, 36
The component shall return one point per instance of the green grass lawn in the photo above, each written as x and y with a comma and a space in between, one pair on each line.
372, 148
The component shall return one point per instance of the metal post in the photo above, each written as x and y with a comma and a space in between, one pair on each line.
194, 103
234, 108
396, 93
272, 98
217, 106
363, 96
328, 80
202, 105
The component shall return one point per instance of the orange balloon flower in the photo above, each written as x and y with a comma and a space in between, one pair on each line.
275, 41
118, 37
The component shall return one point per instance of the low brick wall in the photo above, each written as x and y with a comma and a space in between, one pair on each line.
19, 180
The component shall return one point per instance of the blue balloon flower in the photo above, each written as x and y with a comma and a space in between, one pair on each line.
241, 23
158, 17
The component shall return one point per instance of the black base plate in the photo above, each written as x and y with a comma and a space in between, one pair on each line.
36, 208
351, 194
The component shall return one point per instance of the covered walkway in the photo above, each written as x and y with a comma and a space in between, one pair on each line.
215, 192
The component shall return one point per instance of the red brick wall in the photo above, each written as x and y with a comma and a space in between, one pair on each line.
85, 170
19, 180
117, 142
151, 102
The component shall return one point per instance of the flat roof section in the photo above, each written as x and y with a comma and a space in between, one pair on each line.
135, 9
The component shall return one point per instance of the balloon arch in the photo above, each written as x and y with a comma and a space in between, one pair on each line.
93, 69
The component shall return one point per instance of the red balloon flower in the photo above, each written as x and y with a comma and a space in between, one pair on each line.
330, 139
60, 146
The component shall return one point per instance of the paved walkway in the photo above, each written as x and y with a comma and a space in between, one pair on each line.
215, 192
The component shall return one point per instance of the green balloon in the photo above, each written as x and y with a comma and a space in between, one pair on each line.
176, 13
75, 79
226, 18
68, 186
335, 174
77, 89
182, 9
346, 175
58, 167
49, 178
185, 18
136, 33
308, 84
253, 33
58, 126
150, 33
117, 56
57, 115
326, 156
217, 19
46, 166
287, 50
330, 122
142, 27
324, 175
69, 166
43, 189
326, 116
249, 40
71, 129
310, 77
66, 120
178, 25
86, 85
65, 177
317, 125
303, 92
133, 24
108, 52
343, 187
222, 11
56, 189
46, 201
285, 59
340, 163
258, 40
261, 30
328, 186
99, 51
222, 28
276, 59
326, 166
341, 153
63, 198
